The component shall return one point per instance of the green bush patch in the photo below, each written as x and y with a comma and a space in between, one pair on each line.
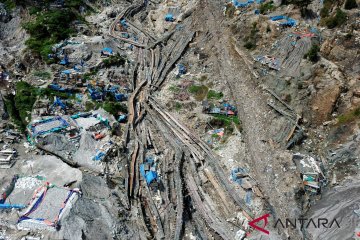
266, 7
336, 20
115, 60
48, 28
20, 106
199, 91
350, 4
174, 89
349, 117
42, 74
312, 54
214, 95
178, 106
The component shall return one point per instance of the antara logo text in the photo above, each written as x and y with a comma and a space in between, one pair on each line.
293, 223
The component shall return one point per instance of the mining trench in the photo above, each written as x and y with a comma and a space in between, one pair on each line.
187, 154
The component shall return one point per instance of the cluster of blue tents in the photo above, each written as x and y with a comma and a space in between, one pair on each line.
114, 90
96, 94
99, 94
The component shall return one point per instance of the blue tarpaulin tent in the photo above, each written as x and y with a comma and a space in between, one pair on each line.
109, 50
288, 21
182, 69
123, 23
149, 176
65, 61
169, 17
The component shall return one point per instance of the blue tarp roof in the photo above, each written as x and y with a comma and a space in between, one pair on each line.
169, 17
150, 177
108, 50
66, 72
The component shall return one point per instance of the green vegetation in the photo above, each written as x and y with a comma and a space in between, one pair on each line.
348, 36
203, 78
111, 107
174, 89
24, 100
250, 45
74, 3
266, 7
349, 117
114, 107
89, 75
227, 122
214, 95
327, 5
312, 54
336, 20
199, 91
42, 74
13, 112
20, 106
178, 106
251, 39
34, 10
89, 105
9, 4
230, 10
350, 4
48, 28
115, 60
50, 93
227, 119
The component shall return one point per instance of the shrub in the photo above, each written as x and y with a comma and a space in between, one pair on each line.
24, 100
178, 106
349, 117
114, 108
174, 89
199, 91
20, 106
13, 112
327, 5
350, 4
42, 74
50, 93
266, 7
115, 60
250, 45
348, 36
214, 95
312, 54
250, 40
337, 20
230, 11
49, 27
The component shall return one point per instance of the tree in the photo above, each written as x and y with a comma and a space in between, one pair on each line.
350, 4
312, 55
